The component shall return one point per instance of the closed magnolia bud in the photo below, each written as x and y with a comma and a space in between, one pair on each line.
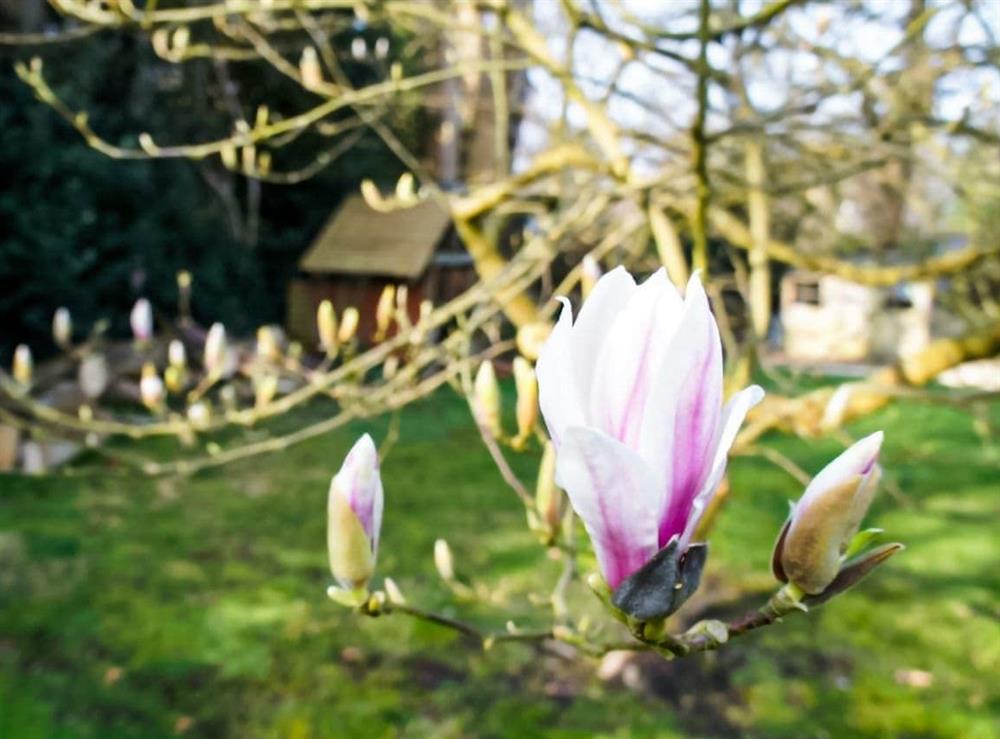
531, 337
548, 497
267, 345
151, 388
811, 545
326, 327
177, 354
486, 399
24, 364
62, 328
383, 311
173, 378
354, 516
590, 273
93, 375
309, 69
527, 397
359, 48
443, 561
141, 320
348, 324
199, 414
215, 350
265, 388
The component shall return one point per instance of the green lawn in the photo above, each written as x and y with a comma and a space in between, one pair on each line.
156, 608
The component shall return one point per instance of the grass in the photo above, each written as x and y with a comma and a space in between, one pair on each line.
195, 607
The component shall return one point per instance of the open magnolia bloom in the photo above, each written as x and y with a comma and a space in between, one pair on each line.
631, 393
354, 516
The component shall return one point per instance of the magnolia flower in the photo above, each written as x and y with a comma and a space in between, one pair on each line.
384, 311
809, 549
354, 516
326, 327
151, 387
141, 320
24, 364
348, 324
93, 376
177, 354
214, 358
62, 327
486, 399
631, 393
527, 398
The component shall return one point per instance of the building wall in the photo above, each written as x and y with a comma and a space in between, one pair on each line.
826, 318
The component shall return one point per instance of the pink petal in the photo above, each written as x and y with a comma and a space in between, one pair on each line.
361, 483
732, 418
614, 493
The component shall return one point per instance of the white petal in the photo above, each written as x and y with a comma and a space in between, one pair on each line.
558, 397
607, 300
732, 418
632, 350
857, 460
614, 493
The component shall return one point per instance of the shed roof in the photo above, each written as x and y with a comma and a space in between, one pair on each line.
360, 240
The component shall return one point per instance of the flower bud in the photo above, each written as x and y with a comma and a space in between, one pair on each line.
326, 327
23, 365
177, 354
548, 497
354, 516
359, 48
93, 375
267, 345
348, 324
444, 563
141, 320
62, 328
527, 398
265, 388
383, 311
198, 413
809, 551
486, 399
173, 378
215, 350
590, 273
151, 388
309, 69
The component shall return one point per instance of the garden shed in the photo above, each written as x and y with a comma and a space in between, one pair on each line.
360, 250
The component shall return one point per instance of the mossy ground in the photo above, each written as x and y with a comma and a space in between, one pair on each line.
155, 608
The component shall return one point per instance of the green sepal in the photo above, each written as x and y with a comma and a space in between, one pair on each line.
348, 598
663, 584
860, 542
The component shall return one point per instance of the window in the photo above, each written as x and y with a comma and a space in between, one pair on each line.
807, 292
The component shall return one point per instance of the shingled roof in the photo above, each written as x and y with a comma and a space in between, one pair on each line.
359, 240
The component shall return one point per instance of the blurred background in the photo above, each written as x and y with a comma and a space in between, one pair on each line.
235, 235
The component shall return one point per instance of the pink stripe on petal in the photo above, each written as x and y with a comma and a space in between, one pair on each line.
614, 493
